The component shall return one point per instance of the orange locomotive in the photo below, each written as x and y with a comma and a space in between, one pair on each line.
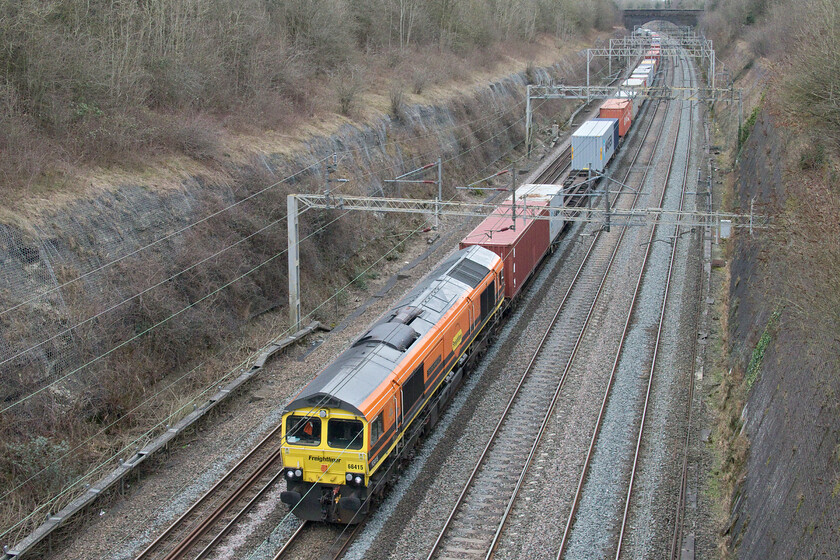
345, 433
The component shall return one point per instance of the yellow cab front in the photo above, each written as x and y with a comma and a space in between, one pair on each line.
325, 464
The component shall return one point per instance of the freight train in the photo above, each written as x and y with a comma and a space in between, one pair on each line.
349, 430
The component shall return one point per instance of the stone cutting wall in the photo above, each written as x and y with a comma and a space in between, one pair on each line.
788, 503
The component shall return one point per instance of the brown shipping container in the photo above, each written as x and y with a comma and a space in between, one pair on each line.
521, 249
621, 109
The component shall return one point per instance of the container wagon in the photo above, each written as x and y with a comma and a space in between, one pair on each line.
552, 197
634, 84
521, 245
593, 145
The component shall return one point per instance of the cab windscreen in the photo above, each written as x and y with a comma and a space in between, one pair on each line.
344, 434
303, 430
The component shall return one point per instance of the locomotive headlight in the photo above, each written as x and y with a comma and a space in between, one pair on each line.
358, 480
349, 477
290, 474
298, 473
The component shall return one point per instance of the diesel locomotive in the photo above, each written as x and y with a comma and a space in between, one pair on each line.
345, 432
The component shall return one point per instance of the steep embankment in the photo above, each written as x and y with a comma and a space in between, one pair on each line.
784, 346
113, 293
778, 429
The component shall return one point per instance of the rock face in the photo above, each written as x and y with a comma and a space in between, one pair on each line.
788, 504
101, 296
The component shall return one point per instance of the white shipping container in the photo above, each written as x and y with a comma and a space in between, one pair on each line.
644, 74
544, 195
644, 68
633, 83
593, 145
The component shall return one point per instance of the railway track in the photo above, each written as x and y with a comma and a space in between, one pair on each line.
646, 405
677, 533
477, 521
318, 541
660, 327
556, 169
195, 534
201, 528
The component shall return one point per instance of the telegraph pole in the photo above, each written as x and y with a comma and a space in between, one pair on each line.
528, 121
294, 262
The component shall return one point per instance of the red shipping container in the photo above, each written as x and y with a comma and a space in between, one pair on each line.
621, 109
521, 249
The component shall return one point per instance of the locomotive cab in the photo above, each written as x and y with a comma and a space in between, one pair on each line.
325, 464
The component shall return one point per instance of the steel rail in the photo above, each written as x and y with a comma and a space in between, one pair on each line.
337, 549
570, 361
560, 385
528, 369
602, 411
290, 541
655, 355
245, 509
554, 171
347, 541
208, 522
679, 515
522, 380
210, 493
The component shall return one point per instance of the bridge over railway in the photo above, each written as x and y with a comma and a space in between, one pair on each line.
680, 18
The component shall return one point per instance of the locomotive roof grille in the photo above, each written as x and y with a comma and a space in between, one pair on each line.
469, 272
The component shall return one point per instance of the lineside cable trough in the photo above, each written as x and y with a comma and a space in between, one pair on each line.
118, 474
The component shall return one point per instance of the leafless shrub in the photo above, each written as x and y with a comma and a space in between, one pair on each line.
397, 104
419, 78
196, 138
348, 87
531, 72
812, 75
125, 60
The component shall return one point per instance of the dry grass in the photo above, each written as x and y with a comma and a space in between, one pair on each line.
111, 84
